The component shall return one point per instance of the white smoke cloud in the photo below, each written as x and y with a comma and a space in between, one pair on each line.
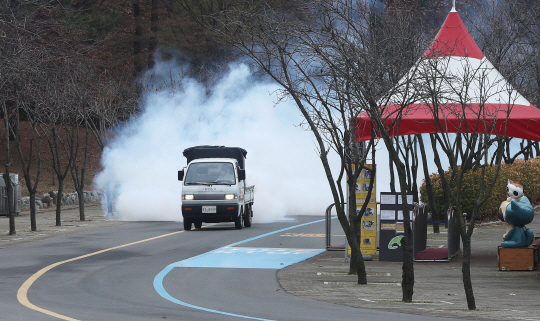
281, 162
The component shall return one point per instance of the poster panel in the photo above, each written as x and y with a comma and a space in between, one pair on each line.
392, 228
368, 225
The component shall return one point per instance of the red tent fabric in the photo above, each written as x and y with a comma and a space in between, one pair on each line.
474, 96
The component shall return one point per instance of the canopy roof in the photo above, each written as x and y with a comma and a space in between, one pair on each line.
454, 88
207, 151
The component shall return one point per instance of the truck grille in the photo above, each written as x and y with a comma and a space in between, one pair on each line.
209, 197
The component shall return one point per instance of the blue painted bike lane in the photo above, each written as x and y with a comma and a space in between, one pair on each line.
236, 256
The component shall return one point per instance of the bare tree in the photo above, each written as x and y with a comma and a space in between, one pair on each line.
38, 51
335, 60
28, 102
468, 99
80, 83
284, 47
6, 69
13, 45
31, 76
470, 96
154, 28
138, 41
432, 204
57, 121
374, 40
6, 175
508, 32
452, 184
113, 101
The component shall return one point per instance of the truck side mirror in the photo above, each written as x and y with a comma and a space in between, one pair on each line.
241, 174
180, 175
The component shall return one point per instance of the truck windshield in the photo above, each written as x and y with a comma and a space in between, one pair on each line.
210, 174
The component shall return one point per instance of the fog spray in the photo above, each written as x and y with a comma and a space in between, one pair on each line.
238, 111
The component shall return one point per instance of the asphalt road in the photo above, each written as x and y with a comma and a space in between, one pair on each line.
155, 271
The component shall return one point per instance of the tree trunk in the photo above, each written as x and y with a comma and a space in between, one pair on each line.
31, 191
361, 270
429, 187
466, 271
152, 43
33, 225
357, 265
407, 279
353, 264
7, 178
10, 205
82, 217
407, 282
27, 165
59, 201
137, 39
79, 175
392, 177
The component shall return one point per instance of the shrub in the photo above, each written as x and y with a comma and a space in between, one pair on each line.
525, 172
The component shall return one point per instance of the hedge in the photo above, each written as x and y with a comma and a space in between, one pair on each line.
525, 172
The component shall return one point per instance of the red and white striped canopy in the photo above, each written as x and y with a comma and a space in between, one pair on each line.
454, 88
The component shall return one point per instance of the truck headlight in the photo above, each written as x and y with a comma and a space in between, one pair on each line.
188, 197
231, 196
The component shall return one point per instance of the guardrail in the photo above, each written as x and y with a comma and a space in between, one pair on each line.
420, 250
454, 237
420, 224
328, 215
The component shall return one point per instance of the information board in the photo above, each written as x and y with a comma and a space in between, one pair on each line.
392, 227
368, 225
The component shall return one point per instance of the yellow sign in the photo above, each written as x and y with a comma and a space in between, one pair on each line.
368, 225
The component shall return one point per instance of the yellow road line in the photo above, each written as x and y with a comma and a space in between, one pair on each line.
22, 294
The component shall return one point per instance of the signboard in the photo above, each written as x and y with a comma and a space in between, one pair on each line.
392, 227
368, 225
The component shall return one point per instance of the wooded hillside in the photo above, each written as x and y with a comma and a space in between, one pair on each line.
71, 65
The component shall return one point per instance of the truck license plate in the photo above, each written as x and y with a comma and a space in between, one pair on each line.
209, 209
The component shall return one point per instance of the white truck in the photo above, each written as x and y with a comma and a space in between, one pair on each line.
214, 187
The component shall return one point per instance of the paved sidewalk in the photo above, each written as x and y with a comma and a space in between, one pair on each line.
438, 290
46, 224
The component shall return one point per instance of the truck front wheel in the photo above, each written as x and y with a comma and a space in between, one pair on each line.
187, 225
239, 221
